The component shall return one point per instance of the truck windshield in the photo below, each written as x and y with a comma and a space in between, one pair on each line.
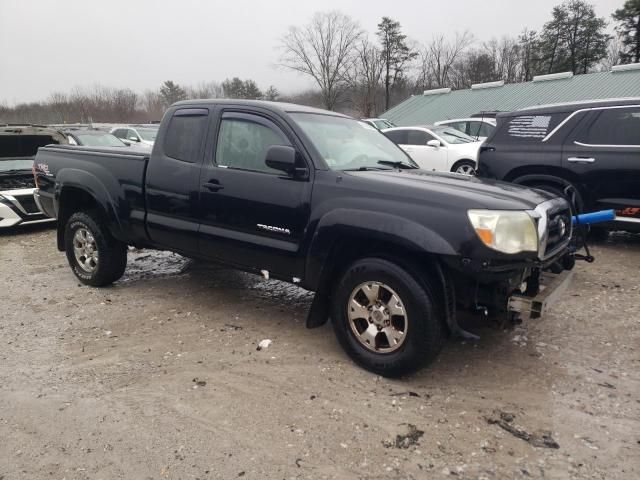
348, 144
148, 134
14, 164
451, 135
94, 140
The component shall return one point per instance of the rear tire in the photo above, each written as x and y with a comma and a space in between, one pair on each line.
385, 318
464, 167
95, 257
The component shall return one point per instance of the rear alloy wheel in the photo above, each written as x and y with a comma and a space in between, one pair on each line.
85, 250
464, 167
386, 317
95, 257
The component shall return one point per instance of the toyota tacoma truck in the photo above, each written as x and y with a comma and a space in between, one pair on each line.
325, 202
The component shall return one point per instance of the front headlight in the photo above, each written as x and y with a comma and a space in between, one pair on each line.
504, 230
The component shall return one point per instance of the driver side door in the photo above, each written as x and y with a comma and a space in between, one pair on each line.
251, 214
426, 156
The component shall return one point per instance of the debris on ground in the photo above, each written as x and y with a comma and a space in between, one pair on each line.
198, 382
264, 344
505, 421
229, 326
606, 385
405, 394
405, 440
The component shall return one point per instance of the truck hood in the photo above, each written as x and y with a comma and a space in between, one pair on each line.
458, 191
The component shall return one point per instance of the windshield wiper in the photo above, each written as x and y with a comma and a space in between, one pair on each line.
397, 164
363, 169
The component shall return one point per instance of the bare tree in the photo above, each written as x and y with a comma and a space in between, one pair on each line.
153, 104
324, 50
205, 90
365, 77
613, 57
529, 52
438, 57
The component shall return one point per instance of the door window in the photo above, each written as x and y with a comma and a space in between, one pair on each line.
131, 134
399, 137
462, 126
485, 129
418, 137
243, 142
183, 139
615, 126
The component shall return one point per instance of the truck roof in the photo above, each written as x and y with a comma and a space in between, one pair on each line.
571, 106
281, 107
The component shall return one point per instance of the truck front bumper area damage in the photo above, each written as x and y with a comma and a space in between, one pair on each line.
552, 287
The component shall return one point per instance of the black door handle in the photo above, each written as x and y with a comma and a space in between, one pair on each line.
213, 186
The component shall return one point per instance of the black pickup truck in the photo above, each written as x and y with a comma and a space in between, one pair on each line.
320, 200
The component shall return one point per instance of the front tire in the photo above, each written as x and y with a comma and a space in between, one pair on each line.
95, 257
385, 318
464, 167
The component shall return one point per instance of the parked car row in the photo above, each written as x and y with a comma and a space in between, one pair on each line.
587, 152
437, 148
19, 145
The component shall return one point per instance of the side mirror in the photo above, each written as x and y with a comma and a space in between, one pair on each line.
134, 139
281, 157
433, 143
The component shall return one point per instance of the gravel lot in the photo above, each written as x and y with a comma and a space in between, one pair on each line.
159, 377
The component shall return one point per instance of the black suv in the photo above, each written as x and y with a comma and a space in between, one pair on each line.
593, 147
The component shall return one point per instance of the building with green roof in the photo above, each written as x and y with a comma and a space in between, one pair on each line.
444, 103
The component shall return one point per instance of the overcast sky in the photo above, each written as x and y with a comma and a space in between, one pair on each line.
48, 45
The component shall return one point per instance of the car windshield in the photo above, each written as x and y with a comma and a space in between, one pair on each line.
148, 134
451, 135
104, 140
9, 164
382, 124
348, 144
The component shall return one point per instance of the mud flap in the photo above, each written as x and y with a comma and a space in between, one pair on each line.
319, 312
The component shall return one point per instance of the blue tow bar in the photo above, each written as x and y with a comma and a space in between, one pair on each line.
594, 217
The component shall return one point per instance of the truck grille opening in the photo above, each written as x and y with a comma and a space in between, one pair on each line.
28, 203
559, 228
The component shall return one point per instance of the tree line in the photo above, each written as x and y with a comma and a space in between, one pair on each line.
366, 74
101, 104
372, 73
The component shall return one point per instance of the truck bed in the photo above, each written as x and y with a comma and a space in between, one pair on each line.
118, 174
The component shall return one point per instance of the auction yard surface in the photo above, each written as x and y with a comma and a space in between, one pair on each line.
159, 377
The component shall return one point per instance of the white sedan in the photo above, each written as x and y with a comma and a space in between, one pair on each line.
437, 148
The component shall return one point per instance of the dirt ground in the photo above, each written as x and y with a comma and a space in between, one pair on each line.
159, 377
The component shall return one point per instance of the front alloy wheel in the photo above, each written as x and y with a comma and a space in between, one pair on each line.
465, 167
377, 317
386, 317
